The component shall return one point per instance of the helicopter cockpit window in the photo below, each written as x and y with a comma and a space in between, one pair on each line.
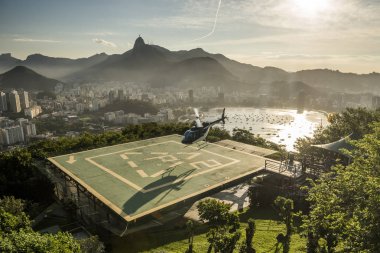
189, 134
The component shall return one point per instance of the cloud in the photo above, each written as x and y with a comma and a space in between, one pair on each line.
35, 40
104, 42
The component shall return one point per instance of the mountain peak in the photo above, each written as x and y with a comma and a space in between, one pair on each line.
21, 69
21, 77
139, 42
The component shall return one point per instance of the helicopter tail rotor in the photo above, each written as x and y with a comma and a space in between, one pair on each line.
224, 117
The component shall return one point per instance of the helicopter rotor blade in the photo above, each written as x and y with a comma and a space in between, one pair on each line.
196, 112
198, 122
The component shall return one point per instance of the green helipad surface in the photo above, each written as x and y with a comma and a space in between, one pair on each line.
138, 178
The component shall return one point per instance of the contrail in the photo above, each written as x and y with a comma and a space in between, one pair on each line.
213, 28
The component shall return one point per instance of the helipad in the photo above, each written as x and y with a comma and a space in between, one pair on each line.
138, 178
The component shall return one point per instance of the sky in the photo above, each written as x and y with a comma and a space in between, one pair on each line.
290, 34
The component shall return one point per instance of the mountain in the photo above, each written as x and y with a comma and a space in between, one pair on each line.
338, 81
285, 89
7, 62
53, 67
137, 64
196, 72
21, 77
244, 72
318, 78
159, 67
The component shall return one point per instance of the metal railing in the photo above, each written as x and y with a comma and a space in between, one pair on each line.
282, 167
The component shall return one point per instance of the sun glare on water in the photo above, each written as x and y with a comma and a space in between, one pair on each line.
311, 8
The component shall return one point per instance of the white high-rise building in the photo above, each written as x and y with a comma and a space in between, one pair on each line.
3, 101
29, 129
14, 101
24, 99
33, 111
12, 135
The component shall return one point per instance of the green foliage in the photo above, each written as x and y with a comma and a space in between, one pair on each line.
21, 178
249, 233
357, 121
57, 125
345, 204
91, 245
46, 148
16, 234
190, 230
217, 214
150, 130
29, 241
10, 223
223, 242
176, 240
12, 205
352, 120
223, 234
12, 216
285, 208
217, 134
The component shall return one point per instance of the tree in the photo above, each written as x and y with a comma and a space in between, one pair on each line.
30, 241
190, 230
357, 121
225, 242
285, 208
12, 205
215, 212
345, 204
12, 216
249, 233
223, 224
16, 234
91, 245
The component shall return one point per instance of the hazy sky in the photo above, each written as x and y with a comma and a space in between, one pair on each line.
290, 34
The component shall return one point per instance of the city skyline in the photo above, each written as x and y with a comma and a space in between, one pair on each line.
290, 34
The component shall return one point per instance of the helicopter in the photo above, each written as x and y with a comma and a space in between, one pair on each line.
200, 130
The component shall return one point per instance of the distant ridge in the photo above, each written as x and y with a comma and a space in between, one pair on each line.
21, 77
54, 67
160, 67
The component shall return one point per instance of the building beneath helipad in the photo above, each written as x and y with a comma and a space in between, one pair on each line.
125, 186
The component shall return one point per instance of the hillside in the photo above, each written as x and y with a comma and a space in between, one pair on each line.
21, 77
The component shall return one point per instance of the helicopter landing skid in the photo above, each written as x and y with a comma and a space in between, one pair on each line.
202, 145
